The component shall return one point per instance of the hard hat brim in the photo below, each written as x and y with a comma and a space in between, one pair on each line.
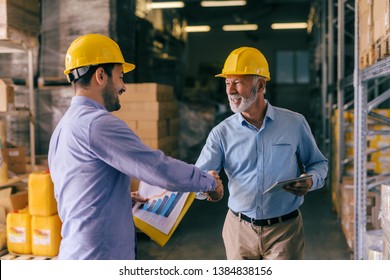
127, 67
224, 75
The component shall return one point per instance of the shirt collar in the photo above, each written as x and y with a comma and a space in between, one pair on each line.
83, 100
269, 114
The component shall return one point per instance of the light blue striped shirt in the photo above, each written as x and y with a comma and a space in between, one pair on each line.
254, 159
92, 155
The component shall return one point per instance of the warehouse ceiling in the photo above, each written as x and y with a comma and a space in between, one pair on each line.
261, 12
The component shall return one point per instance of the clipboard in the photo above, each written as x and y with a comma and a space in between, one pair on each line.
157, 236
279, 185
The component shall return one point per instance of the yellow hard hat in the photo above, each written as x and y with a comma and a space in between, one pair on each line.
246, 61
94, 49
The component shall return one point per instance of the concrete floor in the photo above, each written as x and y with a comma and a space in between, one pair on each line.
198, 236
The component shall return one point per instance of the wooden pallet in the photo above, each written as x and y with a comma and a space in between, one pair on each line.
367, 58
12, 256
382, 47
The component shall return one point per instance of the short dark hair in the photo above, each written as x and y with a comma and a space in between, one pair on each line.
85, 80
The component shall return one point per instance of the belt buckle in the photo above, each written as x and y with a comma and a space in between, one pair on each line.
269, 222
253, 222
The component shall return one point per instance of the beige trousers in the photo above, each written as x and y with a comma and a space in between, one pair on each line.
281, 241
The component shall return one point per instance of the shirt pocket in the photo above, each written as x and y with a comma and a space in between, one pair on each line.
283, 157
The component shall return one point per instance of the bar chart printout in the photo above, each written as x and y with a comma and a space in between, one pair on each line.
162, 205
162, 209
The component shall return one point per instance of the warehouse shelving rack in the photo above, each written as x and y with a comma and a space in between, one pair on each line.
335, 84
362, 110
9, 46
358, 82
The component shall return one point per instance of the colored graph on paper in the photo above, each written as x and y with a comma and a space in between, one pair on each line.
162, 209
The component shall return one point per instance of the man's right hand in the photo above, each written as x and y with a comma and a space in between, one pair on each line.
217, 194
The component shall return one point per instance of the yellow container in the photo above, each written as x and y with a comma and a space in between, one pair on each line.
19, 232
41, 201
46, 235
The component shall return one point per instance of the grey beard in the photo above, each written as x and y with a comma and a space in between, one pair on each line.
245, 102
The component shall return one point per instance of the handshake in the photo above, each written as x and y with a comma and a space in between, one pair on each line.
213, 196
217, 194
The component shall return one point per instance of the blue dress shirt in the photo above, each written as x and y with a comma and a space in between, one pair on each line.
92, 155
254, 159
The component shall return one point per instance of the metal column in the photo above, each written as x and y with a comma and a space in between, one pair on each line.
32, 107
340, 90
324, 88
360, 143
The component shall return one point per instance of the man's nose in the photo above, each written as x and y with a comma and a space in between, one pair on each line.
230, 89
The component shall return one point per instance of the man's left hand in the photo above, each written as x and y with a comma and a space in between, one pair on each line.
299, 188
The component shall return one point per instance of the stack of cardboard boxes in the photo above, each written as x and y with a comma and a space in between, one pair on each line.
378, 146
375, 30
348, 210
19, 19
378, 162
385, 219
13, 193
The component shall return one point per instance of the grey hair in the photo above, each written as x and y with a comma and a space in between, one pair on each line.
257, 78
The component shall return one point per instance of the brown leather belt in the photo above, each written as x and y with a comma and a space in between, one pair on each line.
267, 222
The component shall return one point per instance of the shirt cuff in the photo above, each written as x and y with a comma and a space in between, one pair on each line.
208, 182
200, 196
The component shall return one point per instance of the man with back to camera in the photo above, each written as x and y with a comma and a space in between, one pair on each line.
257, 146
93, 154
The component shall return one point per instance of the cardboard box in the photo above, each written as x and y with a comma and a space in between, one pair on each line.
13, 201
152, 129
147, 92
6, 94
131, 116
367, 33
380, 18
365, 5
17, 160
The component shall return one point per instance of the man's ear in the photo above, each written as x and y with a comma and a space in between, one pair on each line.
260, 85
100, 76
